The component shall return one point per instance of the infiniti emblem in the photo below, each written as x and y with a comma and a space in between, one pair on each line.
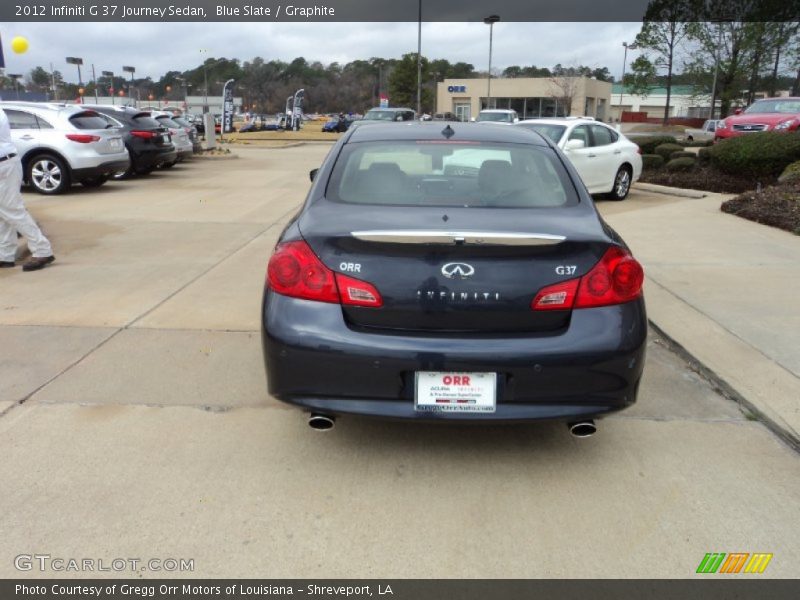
460, 270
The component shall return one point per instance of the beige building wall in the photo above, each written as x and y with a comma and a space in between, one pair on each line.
530, 97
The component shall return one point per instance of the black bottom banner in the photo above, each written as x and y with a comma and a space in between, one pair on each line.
398, 589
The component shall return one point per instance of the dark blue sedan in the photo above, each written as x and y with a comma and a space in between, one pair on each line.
452, 273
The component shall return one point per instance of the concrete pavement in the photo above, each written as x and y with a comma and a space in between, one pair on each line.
725, 289
134, 422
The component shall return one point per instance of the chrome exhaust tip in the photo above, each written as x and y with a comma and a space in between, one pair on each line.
582, 429
321, 422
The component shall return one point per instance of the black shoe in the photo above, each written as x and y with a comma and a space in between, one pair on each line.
6, 265
37, 263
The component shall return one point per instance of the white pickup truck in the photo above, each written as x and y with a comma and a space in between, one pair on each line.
706, 132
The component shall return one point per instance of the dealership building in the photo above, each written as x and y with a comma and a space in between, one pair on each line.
531, 97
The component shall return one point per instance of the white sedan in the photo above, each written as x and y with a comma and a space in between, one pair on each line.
606, 160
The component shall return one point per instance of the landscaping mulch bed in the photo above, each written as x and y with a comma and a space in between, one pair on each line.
703, 178
777, 206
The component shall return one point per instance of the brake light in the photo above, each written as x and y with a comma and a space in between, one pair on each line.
294, 270
617, 278
145, 135
83, 138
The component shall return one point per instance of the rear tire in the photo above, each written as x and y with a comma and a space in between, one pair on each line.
48, 174
622, 184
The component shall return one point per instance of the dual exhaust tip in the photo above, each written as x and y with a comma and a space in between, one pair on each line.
320, 422
578, 429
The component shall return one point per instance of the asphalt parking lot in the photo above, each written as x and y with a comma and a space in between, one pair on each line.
134, 422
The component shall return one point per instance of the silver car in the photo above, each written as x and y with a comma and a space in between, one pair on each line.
62, 144
180, 137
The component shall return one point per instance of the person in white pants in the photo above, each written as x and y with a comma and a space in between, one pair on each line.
13, 216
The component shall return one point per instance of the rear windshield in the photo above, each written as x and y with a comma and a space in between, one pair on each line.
166, 121
388, 115
146, 121
468, 174
554, 132
496, 117
88, 120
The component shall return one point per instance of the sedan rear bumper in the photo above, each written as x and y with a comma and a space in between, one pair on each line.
316, 361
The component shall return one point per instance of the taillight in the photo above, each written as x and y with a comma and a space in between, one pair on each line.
355, 292
83, 138
615, 279
145, 135
639, 150
560, 296
294, 270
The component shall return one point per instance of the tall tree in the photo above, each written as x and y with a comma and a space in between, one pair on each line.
667, 23
403, 82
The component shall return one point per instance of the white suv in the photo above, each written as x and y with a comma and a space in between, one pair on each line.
62, 144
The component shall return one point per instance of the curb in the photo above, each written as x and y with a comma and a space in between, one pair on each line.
671, 191
215, 156
761, 387
725, 389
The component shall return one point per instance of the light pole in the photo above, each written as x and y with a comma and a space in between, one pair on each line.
74, 60
110, 75
627, 46
132, 70
205, 80
490, 21
419, 60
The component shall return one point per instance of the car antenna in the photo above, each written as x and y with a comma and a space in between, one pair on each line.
448, 132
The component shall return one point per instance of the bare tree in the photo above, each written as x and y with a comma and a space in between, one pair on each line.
564, 88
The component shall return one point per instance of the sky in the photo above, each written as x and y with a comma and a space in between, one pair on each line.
155, 48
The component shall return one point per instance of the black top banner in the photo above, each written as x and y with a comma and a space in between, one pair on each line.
398, 10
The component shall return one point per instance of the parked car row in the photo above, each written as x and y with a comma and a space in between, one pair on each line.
63, 144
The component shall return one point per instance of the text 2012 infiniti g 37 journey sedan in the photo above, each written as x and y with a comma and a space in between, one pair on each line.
457, 273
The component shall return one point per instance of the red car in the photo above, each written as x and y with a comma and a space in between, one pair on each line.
771, 114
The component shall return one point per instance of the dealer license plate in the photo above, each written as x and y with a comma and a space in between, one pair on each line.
455, 392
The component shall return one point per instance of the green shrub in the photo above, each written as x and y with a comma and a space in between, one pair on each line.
704, 156
666, 150
652, 161
791, 173
648, 143
681, 164
757, 154
682, 154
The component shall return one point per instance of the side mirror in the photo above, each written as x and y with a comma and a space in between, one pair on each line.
312, 174
575, 145
738, 111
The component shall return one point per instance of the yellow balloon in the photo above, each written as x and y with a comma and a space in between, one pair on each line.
19, 45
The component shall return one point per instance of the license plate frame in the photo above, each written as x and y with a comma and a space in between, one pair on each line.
444, 392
